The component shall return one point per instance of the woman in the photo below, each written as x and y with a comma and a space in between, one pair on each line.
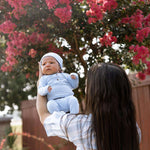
109, 121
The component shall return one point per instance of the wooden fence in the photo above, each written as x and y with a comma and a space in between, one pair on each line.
141, 97
32, 125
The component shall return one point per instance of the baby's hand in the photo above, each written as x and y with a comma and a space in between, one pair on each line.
49, 89
73, 77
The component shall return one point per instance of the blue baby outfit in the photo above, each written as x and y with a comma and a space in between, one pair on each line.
61, 96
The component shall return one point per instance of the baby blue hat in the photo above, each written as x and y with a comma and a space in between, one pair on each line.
56, 56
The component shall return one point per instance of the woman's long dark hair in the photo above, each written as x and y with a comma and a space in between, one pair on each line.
109, 100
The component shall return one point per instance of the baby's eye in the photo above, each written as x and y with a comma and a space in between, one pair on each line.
43, 64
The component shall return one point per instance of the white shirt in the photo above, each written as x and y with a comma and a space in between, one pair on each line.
70, 127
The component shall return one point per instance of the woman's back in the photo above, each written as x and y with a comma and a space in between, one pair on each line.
109, 100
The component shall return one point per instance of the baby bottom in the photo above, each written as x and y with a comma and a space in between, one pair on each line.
66, 104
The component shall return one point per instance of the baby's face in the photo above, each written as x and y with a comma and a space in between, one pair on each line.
50, 65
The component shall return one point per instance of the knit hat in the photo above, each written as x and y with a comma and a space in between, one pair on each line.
56, 56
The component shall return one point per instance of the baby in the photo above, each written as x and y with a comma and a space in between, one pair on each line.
58, 86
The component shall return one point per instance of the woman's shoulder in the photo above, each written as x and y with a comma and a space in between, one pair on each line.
68, 118
78, 119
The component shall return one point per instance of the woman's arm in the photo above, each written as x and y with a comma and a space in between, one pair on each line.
41, 108
41, 103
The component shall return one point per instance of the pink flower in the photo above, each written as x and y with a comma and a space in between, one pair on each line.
12, 60
80, 1
51, 3
128, 38
131, 47
64, 14
19, 12
7, 26
92, 20
36, 38
18, 6
109, 5
32, 53
135, 20
147, 21
98, 8
142, 34
141, 54
6, 67
141, 76
125, 20
67, 2
27, 75
107, 39
95, 13
18, 39
19, 3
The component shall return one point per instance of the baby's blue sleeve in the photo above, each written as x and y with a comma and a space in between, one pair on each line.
43, 87
73, 82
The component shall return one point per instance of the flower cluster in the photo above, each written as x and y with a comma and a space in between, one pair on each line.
141, 75
51, 3
6, 67
107, 39
36, 38
142, 26
146, 21
7, 26
16, 45
95, 13
97, 8
109, 5
63, 13
142, 34
14, 48
135, 20
142, 55
18, 6
129, 38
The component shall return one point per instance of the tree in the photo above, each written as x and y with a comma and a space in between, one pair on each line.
83, 32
